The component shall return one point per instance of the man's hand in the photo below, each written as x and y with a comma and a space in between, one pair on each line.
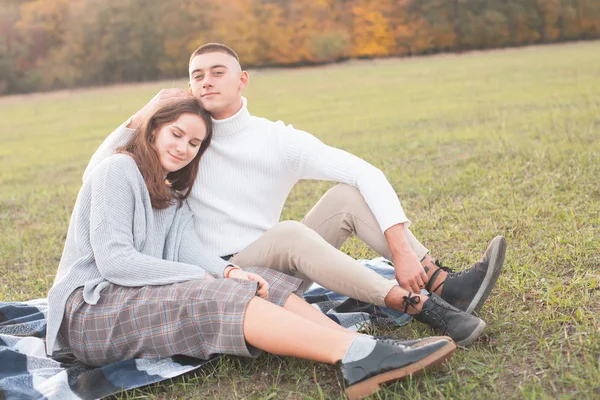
162, 98
408, 269
263, 286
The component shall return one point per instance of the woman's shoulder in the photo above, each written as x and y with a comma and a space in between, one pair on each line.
120, 165
120, 160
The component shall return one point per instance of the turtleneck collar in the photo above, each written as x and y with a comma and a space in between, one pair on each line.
234, 124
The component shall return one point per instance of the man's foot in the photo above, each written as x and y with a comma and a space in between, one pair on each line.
463, 328
389, 362
467, 290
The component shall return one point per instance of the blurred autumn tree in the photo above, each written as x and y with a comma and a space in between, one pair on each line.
48, 44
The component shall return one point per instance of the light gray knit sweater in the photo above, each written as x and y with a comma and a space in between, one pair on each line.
116, 236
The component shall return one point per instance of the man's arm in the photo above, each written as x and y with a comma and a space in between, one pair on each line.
409, 271
118, 138
309, 158
125, 132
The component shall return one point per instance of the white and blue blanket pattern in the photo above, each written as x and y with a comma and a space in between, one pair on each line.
27, 373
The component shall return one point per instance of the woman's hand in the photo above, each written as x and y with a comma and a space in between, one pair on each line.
263, 286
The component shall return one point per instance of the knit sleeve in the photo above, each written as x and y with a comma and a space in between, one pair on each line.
120, 137
191, 252
114, 189
306, 157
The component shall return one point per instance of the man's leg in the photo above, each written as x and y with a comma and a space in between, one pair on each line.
297, 250
342, 211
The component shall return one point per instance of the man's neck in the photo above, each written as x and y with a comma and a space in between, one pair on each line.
230, 111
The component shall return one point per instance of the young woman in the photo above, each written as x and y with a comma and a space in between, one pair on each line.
133, 281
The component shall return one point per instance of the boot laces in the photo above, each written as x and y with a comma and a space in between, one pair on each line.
431, 280
442, 267
392, 342
410, 300
440, 309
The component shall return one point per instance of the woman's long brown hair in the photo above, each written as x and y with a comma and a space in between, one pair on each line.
178, 184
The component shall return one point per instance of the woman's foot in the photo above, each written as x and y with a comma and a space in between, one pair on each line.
410, 342
388, 362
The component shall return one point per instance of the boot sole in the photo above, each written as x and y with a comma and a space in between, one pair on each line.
496, 262
371, 385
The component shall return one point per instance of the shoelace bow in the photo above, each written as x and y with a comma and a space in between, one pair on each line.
410, 300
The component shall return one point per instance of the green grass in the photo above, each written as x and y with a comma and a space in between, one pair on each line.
504, 142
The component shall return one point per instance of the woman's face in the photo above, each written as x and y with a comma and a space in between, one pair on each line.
178, 142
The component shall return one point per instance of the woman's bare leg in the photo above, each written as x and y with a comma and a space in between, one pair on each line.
280, 331
300, 307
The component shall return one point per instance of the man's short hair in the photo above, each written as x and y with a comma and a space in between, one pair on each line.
214, 48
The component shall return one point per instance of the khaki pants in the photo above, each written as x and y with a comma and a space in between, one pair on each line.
309, 250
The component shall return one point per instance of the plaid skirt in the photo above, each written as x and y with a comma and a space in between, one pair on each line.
199, 318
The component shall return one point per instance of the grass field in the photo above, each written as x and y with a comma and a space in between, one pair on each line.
504, 142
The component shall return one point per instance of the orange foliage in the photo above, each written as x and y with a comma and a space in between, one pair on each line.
61, 43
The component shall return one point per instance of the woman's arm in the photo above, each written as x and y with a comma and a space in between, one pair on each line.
120, 263
117, 188
191, 251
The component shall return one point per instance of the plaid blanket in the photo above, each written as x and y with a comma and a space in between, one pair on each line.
27, 373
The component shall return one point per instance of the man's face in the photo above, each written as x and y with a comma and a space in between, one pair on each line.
217, 80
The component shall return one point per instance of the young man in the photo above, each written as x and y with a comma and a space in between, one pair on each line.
246, 175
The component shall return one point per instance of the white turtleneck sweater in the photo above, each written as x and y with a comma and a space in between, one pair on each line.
248, 171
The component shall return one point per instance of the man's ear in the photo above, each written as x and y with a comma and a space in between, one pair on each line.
244, 78
190, 88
